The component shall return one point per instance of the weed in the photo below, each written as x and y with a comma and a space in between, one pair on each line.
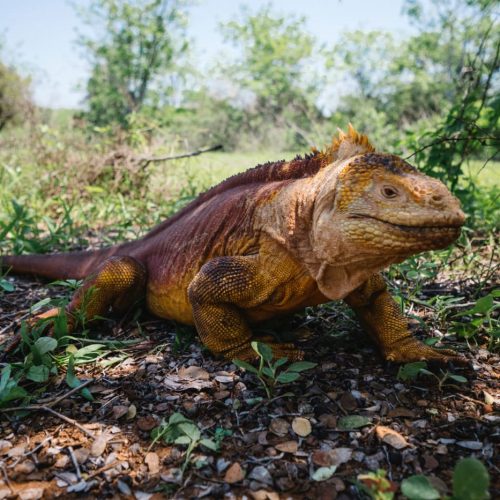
269, 374
180, 430
410, 371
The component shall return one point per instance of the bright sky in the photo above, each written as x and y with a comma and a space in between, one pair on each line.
39, 35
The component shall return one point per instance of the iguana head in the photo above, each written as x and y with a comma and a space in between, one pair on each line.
380, 206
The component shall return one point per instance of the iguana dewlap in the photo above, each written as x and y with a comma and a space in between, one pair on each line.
271, 241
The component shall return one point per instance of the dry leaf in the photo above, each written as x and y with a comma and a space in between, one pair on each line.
119, 411
288, 447
322, 458
99, 445
147, 423
132, 412
234, 474
401, 412
152, 460
301, 426
194, 373
279, 426
391, 437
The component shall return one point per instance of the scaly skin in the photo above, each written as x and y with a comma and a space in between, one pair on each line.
271, 241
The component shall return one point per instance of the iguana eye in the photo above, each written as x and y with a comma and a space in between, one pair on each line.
390, 192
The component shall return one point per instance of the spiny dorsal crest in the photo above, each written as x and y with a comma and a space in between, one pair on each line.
346, 146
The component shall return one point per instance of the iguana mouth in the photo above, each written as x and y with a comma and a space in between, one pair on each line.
412, 228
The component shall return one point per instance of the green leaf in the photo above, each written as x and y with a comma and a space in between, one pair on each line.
177, 418
482, 306
38, 373
410, 371
190, 430
419, 488
7, 286
35, 307
280, 362
287, 377
458, 378
71, 378
45, 344
5, 377
182, 440
301, 366
263, 350
267, 372
470, 480
324, 473
246, 366
208, 443
353, 422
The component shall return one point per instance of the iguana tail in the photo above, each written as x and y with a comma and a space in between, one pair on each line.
75, 265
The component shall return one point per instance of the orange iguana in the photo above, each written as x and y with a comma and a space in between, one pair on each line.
271, 241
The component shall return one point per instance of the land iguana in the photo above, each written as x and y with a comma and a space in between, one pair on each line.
271, 241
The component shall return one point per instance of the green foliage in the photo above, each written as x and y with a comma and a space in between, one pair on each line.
480, 318
15, 96
180, 430
470, 482
271, 374
275, 70
410, 371
134, 57
376, 485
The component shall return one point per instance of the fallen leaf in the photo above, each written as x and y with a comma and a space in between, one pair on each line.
147, 423
132, 412
322, 458
340, 456
470, 445
26, 467
234, 474
119, 411
391, 437
288, 447
348, 401
264, 495
328, 420
279, 426
401, 412
301, 426
81, 455
99, 445
152, 460
194, 372
324, 473
30, 493
350, 422
16, 452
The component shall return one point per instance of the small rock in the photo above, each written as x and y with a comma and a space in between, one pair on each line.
301, 426
81, 455
235, 474
430, 463
31, 493
348, 402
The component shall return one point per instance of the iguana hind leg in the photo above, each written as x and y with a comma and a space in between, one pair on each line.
220, 292
380, 315
117, 284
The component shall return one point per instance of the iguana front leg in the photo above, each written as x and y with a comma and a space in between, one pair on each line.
220, 292
381, 317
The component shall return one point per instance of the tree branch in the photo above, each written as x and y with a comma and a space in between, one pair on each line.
148, 159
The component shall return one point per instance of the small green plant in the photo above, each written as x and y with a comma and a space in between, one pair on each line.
181, 430
269, 374
376, 485
470, 482
410, 371
481, 318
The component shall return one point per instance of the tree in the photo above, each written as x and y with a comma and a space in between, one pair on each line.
275, 69
135, 57
15, 96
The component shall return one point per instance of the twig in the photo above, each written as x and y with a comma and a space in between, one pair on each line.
50, 404
53, 412
75, 463
6, 478
148, 159
102, 469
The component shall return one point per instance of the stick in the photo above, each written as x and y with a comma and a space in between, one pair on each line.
148, 159
53, 412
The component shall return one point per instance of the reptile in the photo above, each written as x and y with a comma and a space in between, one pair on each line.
271, 241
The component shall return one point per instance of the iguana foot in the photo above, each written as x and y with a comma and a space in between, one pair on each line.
246, 353
409, 349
